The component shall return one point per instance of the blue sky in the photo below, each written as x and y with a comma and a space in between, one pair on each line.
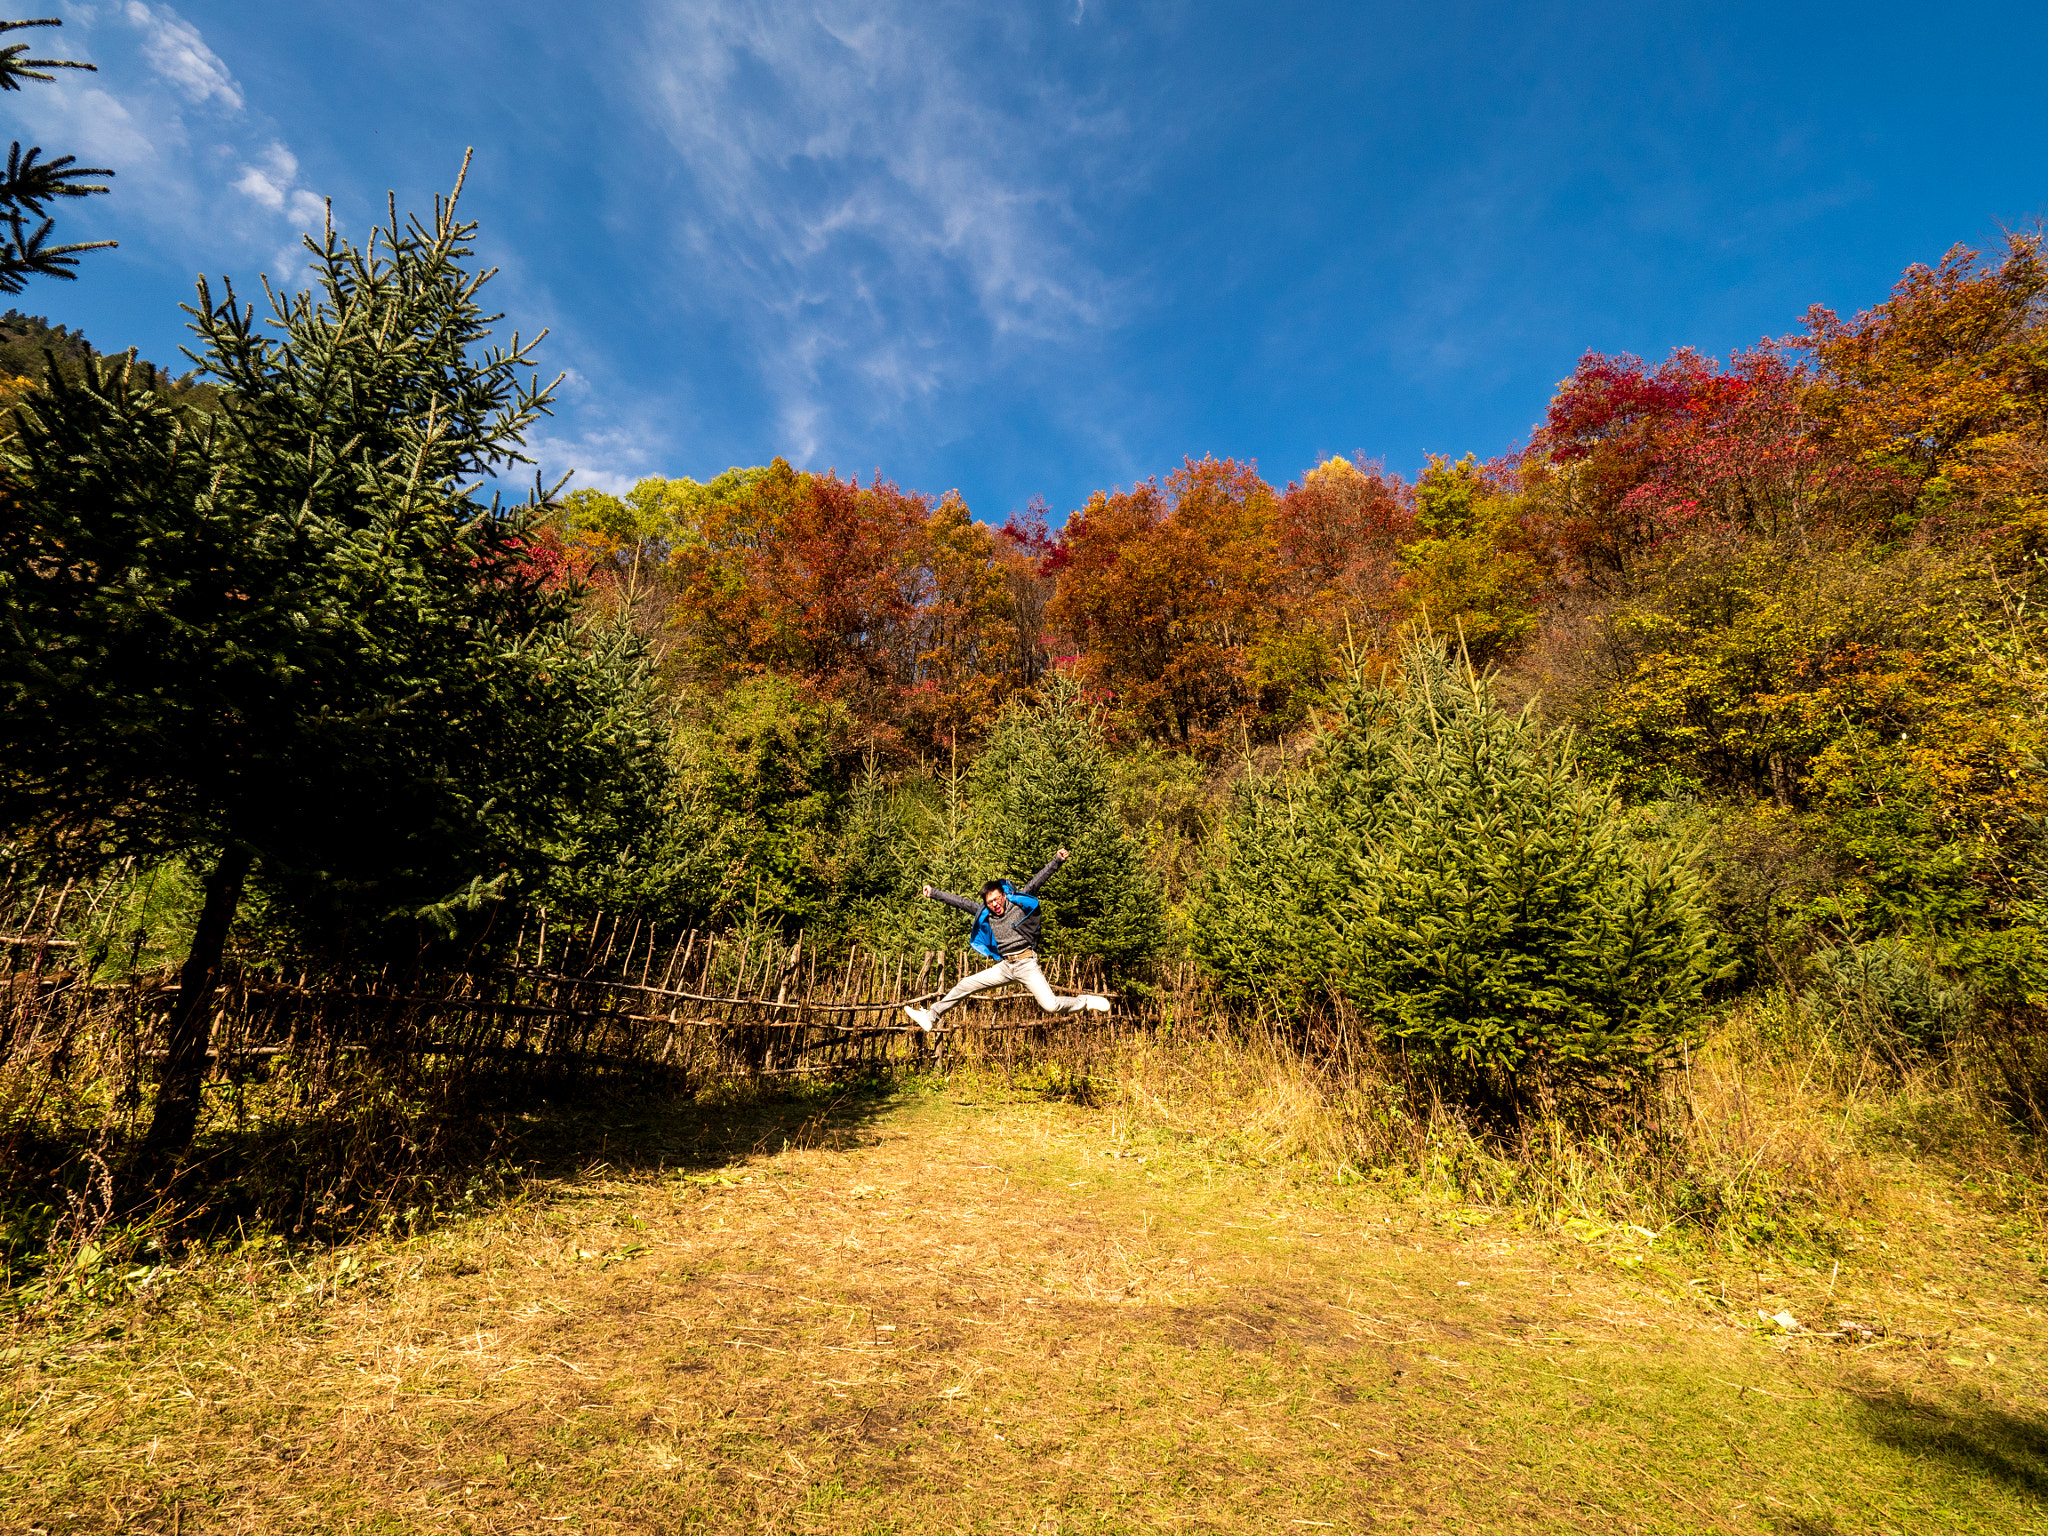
1046, 248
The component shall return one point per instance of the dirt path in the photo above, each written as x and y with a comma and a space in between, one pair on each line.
967, 1316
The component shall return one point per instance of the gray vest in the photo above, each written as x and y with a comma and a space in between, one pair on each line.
1015, 931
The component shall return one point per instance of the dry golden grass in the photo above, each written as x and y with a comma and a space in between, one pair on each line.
961, 1308
1755, 1142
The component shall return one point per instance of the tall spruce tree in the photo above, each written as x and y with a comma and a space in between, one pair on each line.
30, 183
288, 634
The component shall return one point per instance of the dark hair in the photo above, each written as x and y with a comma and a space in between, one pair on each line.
994, 885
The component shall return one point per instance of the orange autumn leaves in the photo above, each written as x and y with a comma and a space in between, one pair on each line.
900, 608
1197, 607
1945, 387
1168, 590
1208, 606
1200, 609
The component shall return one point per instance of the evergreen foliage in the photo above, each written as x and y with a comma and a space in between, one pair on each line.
291, 626
935, 833
1045, 781
29, 183
1266, 922
762, 812
599, 852
1448, 871
289, 631
761, 778
1887, 997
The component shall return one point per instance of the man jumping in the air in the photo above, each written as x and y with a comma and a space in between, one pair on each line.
1006, 923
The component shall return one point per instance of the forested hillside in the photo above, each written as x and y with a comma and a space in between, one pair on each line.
1723, 692
1502, 989
1787, 597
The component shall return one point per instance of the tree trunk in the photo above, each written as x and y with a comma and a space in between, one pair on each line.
177, 1097
1781, 783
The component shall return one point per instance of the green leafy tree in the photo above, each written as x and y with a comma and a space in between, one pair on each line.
1450, 872
752, 813
289, 632
30, 346
1468, 570
30, 183
1867, 723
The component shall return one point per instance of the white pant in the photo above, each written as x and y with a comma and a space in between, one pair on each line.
1022, 968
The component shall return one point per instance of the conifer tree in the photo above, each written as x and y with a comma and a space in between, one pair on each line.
1043, 782
1266, 922
1449, 871
30, 183
288, 635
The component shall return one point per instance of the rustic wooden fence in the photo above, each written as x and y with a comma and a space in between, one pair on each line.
608, 996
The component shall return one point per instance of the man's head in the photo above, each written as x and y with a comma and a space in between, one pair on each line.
995, 898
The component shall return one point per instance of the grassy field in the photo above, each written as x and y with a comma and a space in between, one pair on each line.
954, 1306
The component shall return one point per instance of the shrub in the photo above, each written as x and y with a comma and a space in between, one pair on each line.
1448, 871
1886, 998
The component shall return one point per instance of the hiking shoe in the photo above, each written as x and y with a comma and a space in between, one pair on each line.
921, 1017
1094, 1004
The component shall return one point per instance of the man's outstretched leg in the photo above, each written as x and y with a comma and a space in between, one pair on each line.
966, 986
1027, 971
1024, 969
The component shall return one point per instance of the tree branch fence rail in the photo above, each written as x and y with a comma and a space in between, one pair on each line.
609, 998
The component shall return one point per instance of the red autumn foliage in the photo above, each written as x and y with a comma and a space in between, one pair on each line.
1167, 591
1030, 558
873, 595
1340, 530
1613, 425
1641, 454
545, 558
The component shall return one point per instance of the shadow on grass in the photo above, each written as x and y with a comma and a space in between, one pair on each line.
1985, 1442
374, 1163
652, 1134
400, 1158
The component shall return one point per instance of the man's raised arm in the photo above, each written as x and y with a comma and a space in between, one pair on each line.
1031, 886
953, 901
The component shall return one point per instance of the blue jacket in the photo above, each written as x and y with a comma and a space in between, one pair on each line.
983, 940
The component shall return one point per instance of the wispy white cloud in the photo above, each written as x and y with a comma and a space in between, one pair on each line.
608, 459
270, 182
192, 162
879, 208
180, 56
602, 444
